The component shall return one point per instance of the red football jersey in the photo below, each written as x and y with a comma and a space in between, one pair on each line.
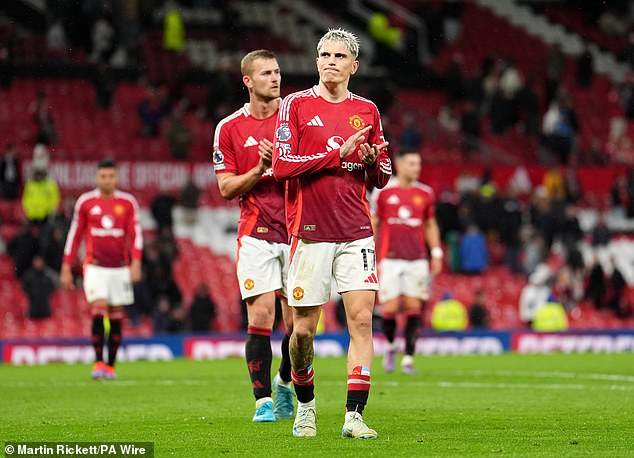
326, 196
402, 213
111, 229
236, 143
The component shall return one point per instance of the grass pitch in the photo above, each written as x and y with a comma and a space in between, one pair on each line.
517, 405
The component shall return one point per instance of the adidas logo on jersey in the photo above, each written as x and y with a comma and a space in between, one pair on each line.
315, 122
250, 142
372, 279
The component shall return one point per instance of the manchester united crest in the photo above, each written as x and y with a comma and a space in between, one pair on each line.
298, 293
357, 122
249, 284
118, 210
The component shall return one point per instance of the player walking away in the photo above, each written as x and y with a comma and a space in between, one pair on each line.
404, 222
321, 149
242, 158
108, 221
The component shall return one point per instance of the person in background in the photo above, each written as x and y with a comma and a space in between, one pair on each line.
202, 310
23, 248
38, 284
535, 293
189, 200
449, 314
10, 174
550, 317
473, 251
40, 198
179, 137
478, 315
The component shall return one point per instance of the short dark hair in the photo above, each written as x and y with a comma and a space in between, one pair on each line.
405, 151
107, 164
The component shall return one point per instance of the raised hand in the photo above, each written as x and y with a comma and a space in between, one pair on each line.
368, 153
353, 142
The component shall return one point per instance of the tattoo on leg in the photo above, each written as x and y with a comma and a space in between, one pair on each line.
301, 352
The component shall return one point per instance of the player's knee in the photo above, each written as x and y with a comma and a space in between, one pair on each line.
261, 313
361, 321
303, 331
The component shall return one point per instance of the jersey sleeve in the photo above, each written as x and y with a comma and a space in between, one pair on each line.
381, 171
135, 232
77, 227
224, 156
287, 160
430, 208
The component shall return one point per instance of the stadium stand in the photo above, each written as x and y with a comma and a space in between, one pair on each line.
206, 251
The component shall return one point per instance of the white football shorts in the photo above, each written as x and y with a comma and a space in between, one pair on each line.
110, 283
262, 266
314, 264
402, 277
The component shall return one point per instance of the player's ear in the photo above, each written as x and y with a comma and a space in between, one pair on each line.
246, 79
355, 67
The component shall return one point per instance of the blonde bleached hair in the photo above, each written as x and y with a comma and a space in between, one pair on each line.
350, 39
246, 65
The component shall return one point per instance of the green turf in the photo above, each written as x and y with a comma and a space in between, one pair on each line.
557, 405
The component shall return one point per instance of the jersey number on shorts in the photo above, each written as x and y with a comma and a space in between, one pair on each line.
369, 259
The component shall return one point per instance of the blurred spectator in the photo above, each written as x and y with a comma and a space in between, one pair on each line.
555, 65
411, 136
601, 234
104, 86
560, 127
478, 315
572, 186
167, 244
40, 111
596, 289
623, 196
173, 28
164, 319
520, 183
189, 200
53, 248
454, 81
449, 314
41, 157
550, 317
534, 250
202, 310
529, 105
38, 285
10, 174
23, 248
571, 232
585, 67
470, 127
102, 35
448, 118
473, 251
543, 216
161, 208
56, 39
535, 293
152, 109
179, 137
617, 289
509, 223
40, 198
